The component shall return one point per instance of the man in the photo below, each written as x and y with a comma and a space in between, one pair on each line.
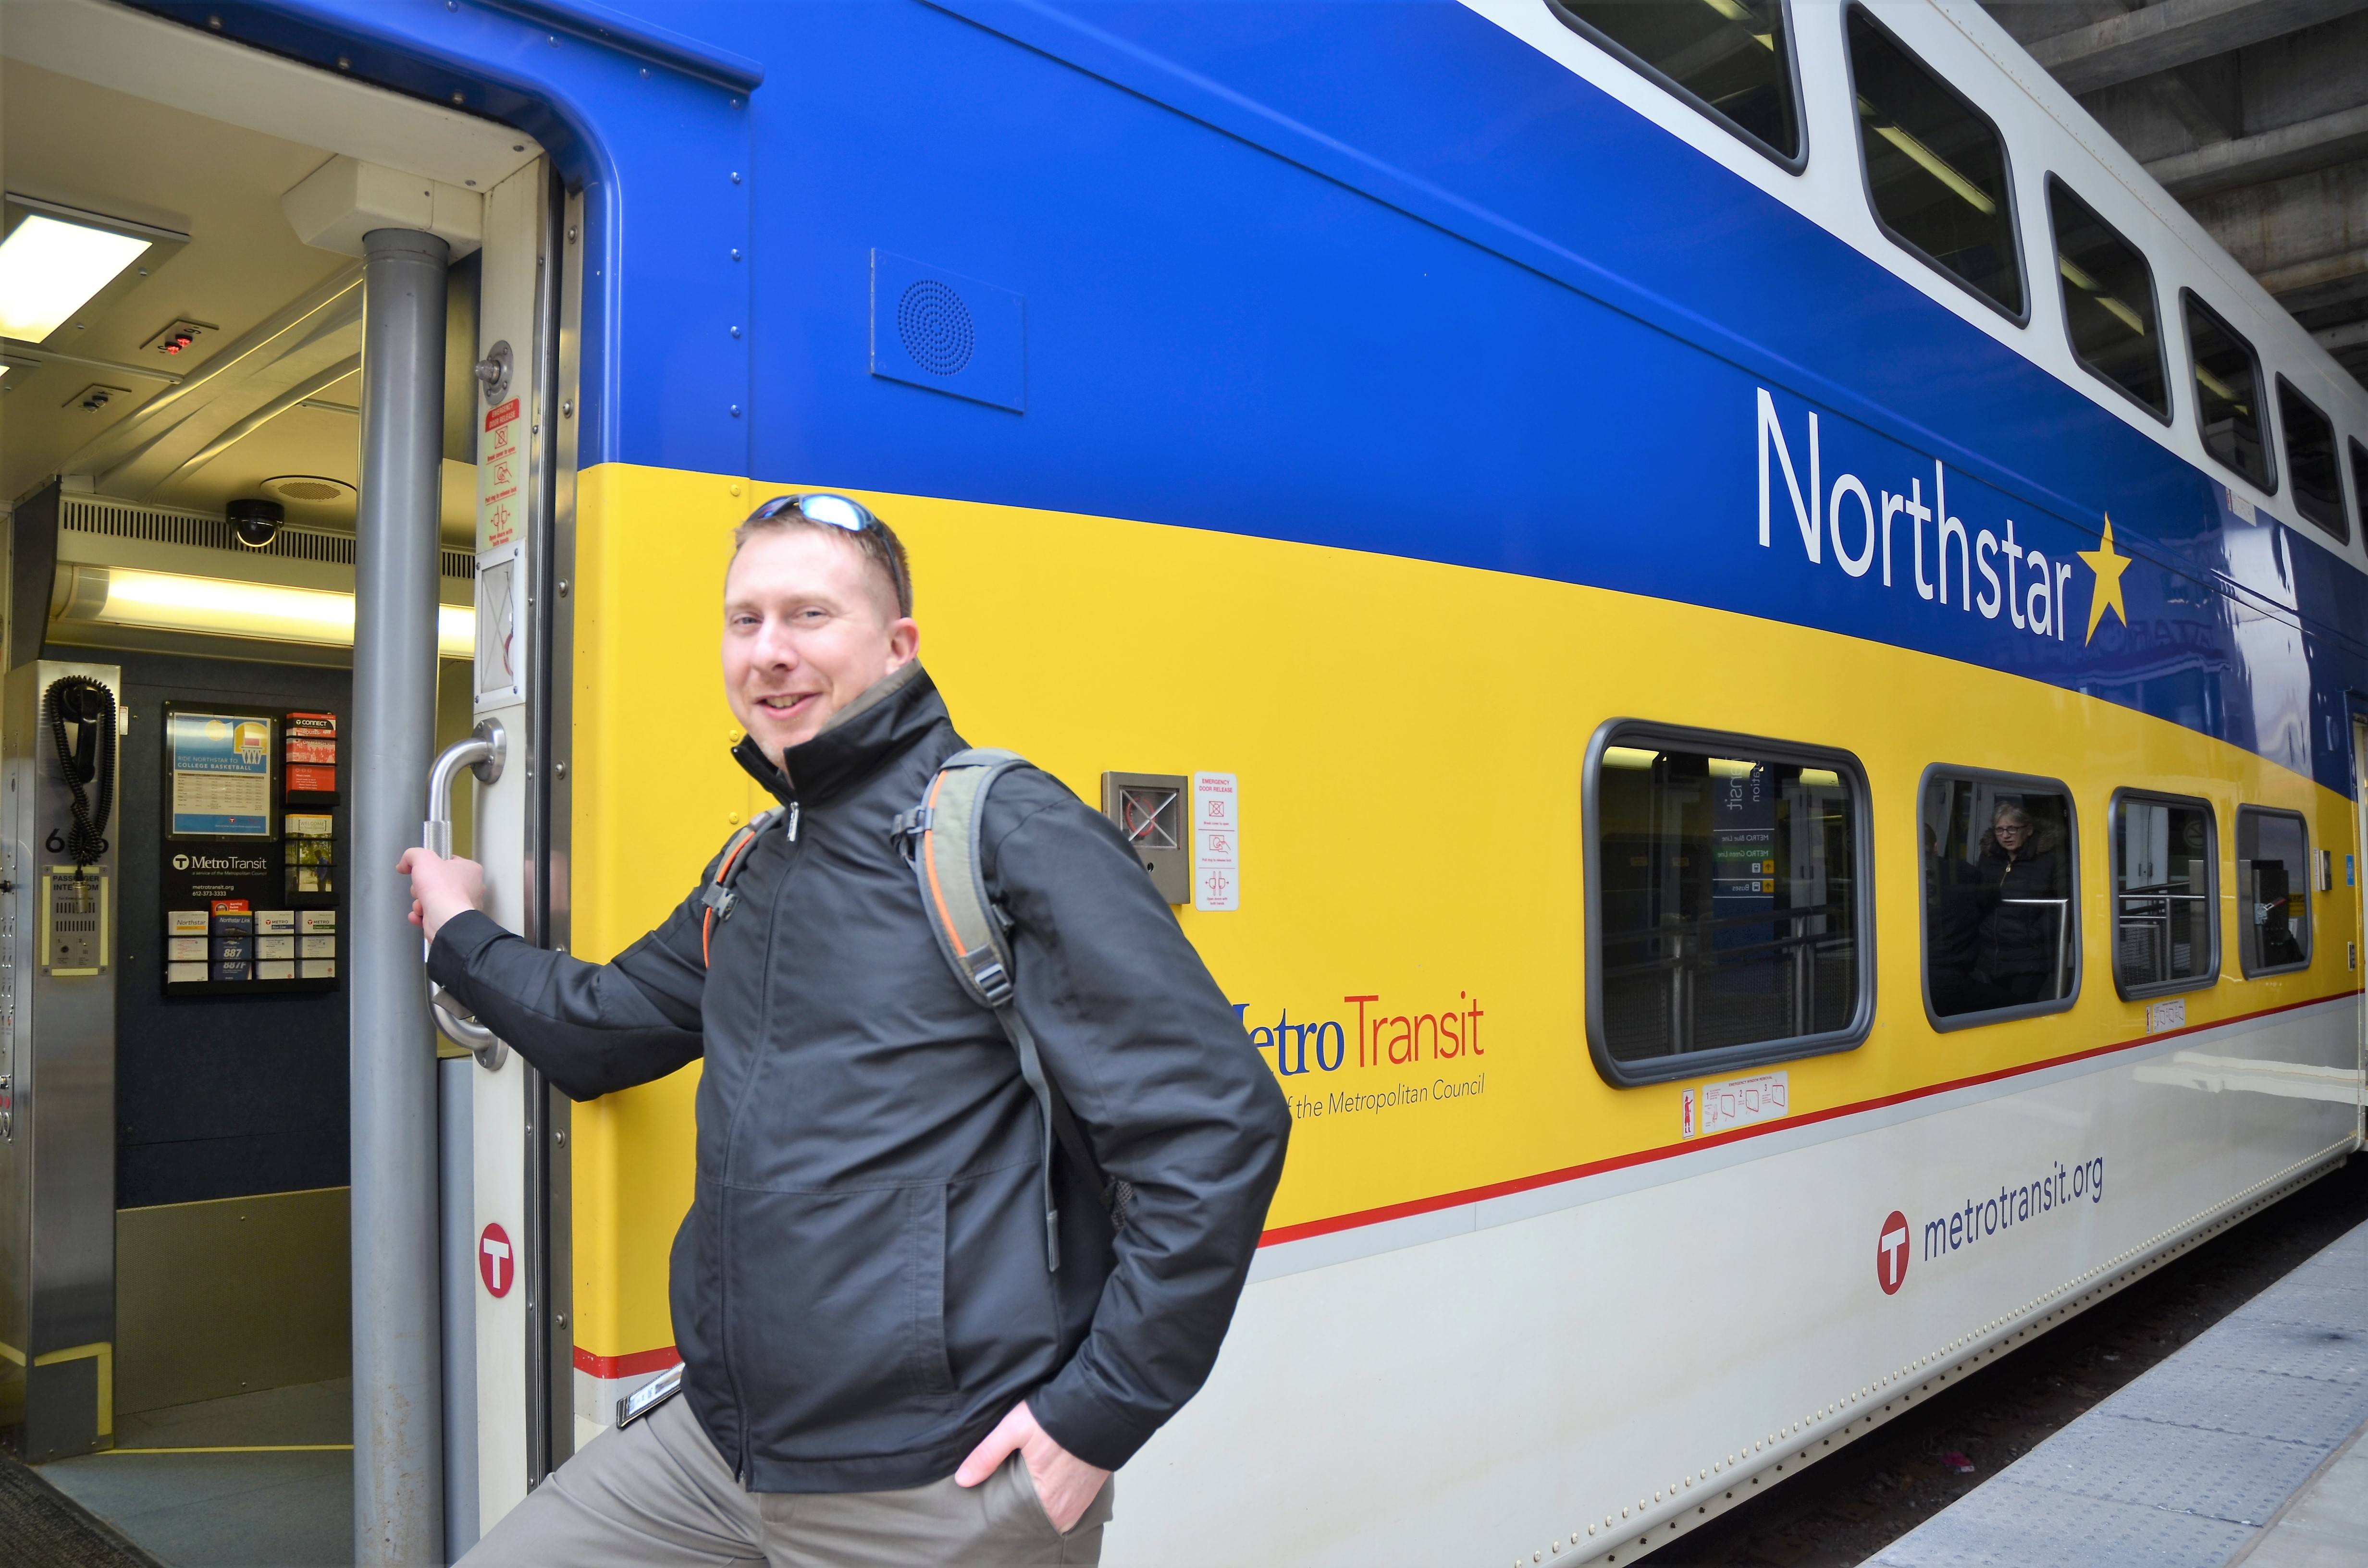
880, 1364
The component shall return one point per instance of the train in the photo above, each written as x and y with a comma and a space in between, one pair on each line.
1782, 633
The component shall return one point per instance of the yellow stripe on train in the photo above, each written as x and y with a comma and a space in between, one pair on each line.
1409, 740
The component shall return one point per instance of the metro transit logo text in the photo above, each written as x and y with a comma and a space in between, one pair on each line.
1983, 1218
1380, 1036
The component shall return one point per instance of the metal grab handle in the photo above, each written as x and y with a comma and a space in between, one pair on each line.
482, 754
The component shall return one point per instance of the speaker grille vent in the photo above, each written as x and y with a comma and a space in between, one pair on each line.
934, 327
161, 525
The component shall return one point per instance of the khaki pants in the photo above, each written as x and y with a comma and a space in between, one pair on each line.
658, 1494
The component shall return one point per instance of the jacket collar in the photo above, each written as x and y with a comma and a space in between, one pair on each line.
893, 714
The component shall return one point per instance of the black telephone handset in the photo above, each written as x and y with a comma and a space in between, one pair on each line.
88, 757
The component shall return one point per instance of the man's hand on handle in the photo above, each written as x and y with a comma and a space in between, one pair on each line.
441, 889
1066, 1485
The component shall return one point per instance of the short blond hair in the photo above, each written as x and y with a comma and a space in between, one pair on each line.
876, 542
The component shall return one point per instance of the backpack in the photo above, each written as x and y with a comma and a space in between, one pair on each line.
939, 839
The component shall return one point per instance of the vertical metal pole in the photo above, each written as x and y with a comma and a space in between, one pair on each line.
460, 1247
398, 1389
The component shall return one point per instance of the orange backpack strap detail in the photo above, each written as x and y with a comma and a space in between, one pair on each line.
717, 896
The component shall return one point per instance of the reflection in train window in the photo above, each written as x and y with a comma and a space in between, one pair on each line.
1935, 167
2166, 916
2272, 890
2310, 460
1727, 901
2000, 934
2227, 393
1731, 57
2108, 301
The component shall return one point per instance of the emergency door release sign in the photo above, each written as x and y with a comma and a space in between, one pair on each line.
497, 1265
1216, 841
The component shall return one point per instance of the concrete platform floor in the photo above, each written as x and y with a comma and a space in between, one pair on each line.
262, 1480
2325, 1524
2245, 1447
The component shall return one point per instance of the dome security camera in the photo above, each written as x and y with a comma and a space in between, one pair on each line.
256, 523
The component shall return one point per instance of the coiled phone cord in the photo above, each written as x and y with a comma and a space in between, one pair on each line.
86, 839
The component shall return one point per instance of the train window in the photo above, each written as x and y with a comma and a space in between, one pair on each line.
2000, 869
2360, 482
2310, 460
2166, 914
2272, 890
1936, 167
2109, 307
2227, 393
1731, 58
1727, 915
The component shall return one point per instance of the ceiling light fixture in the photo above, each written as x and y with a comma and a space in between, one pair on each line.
218, 607
57, 260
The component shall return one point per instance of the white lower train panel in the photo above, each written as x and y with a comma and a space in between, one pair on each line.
1593, 1363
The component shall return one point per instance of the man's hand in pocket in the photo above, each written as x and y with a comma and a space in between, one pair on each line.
1066, 1485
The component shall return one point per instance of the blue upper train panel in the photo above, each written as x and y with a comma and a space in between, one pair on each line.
1374, 277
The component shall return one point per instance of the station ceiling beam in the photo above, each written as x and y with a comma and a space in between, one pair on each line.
2172, 33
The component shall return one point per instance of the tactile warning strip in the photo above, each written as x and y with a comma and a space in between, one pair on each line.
2184, 1466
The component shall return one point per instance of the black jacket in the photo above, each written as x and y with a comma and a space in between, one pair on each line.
860, 1291
2020, 939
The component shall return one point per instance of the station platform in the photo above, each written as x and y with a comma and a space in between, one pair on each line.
2245, 1447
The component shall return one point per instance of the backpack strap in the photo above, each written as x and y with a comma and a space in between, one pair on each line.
941, 840
717, 896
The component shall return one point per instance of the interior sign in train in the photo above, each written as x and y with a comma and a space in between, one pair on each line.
249, 872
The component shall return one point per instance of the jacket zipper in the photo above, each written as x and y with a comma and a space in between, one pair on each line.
732, 1361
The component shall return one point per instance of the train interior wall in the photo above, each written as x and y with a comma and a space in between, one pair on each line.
232, 1249
231, 1111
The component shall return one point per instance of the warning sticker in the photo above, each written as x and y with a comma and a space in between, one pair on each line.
501, 475
1217, 843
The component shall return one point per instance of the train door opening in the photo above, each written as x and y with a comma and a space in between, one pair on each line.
188, 499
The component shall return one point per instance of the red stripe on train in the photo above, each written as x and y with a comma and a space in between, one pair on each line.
1669, 1150
628, 1366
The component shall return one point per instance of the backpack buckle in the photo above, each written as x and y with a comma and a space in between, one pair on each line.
994, 982
720, 899
905, 832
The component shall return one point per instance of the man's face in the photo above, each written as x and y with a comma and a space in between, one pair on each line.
807, 629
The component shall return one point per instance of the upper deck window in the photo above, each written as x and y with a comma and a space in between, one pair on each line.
2109, 306
1733, 58
1936, 167
2360, 484
2227, 393
2310, 460
1727, 922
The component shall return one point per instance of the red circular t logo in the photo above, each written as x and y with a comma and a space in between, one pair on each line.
497, 1265
1891, 1254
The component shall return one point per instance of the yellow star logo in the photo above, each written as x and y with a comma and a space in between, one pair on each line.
2107, 594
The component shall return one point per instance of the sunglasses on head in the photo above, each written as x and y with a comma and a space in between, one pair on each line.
844, 512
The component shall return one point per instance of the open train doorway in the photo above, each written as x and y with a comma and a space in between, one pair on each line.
182, 458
